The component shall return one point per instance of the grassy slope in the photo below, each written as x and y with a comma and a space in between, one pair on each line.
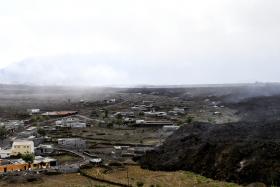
162, 179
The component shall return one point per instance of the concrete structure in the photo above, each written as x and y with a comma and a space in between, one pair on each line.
179, 110
44, 149
43, 162
127, 151
12, 126
155, 114
125, 114
20, 165
22, 147
15, 165
76, 125
5, 153
33, 111
59, 113
31, 131
109, 101
143, 123
70, 123
170, 128
141, 108
72, 143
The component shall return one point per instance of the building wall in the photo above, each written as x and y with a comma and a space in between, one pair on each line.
13, 167
28, 148
23, 167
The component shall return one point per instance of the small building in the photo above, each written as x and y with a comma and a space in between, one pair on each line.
142, 108
33, 111
143, 123
60, 113
179, 110
70, 123
72, 143
13, 165
125, 114
129, 120
76, 125
96, 161
5, 153
22, 147
110, 101
44, 149
31, 131
20, 165
217, 113
170, 128
43, 162
155, 114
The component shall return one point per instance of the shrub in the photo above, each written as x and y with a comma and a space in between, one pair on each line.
140, 184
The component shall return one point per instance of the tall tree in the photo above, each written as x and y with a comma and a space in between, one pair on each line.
3, 133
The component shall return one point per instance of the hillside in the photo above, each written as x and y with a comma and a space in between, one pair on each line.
238, 152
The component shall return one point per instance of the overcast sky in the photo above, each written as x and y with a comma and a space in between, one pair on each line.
166, 42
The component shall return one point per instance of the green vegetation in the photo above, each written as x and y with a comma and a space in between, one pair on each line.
119, 121
140, 184
189, 119
106, 112
3, 133
28, 157
39, 118
41, 131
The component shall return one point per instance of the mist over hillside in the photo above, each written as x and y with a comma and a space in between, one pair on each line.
62, 70
125, 70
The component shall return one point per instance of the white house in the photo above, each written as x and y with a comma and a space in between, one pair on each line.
22, 147
5, 153
33, 111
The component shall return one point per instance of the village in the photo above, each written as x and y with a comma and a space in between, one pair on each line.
109, 133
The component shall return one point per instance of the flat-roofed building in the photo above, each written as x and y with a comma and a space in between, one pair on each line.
22, 147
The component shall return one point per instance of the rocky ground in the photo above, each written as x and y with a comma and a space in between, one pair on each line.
237, 152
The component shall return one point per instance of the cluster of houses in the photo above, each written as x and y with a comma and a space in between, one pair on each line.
128, 151
72, 143
109, 101
9, 162
37, 111
12, 126
39, 162
10, 158
149, 117
70, 122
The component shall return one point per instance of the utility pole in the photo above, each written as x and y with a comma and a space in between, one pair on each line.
127, 176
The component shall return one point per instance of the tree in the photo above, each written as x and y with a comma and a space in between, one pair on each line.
3, 133
141, 114
189, 119
106, 113
28, 157
140, 184
119, 116
41, 131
